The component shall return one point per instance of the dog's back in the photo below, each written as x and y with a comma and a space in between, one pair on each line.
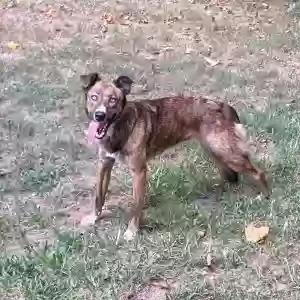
164, 122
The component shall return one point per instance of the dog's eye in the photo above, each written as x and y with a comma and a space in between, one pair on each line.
94, 97
112, 100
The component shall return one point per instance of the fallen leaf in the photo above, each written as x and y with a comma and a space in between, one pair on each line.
12, 45
255, 234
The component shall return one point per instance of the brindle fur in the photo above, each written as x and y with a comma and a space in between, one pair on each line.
146, 128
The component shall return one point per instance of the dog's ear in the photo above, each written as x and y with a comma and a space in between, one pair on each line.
124, 84
89, 80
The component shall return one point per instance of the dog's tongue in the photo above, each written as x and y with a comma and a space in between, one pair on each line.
91, 132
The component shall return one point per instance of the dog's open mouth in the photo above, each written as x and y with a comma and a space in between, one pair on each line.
96, 130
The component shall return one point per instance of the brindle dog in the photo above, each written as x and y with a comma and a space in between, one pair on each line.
136, 131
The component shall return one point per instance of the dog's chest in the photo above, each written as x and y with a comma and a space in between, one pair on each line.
105, 153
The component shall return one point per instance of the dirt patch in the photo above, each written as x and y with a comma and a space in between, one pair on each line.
154, 290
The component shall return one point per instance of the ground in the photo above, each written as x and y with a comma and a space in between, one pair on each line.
246, 53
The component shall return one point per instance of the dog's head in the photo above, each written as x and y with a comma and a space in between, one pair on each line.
105, 101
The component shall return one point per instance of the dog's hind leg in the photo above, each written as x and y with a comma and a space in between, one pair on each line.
103, 179
243, 165
231, 115
258, 176
227, 174
228, 145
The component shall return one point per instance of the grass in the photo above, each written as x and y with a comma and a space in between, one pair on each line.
47, 174
101, 265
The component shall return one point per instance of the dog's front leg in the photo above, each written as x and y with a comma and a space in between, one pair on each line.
104, 173
139, 191
103, 179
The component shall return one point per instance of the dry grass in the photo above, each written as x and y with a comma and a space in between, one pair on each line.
47, 172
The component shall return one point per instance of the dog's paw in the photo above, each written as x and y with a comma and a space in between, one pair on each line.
130, 234
89, 220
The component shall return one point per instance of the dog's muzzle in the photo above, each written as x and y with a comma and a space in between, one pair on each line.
101, 122
99, 116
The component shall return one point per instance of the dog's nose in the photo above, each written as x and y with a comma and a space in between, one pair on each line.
99, 116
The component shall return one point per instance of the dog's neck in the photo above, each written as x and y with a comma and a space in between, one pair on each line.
119, 131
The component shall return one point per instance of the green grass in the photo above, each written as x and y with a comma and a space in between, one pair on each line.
103, 265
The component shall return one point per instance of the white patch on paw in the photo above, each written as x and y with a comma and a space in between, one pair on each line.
89, 220
130, 234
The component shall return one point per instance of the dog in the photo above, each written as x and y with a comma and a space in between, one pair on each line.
135, 131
